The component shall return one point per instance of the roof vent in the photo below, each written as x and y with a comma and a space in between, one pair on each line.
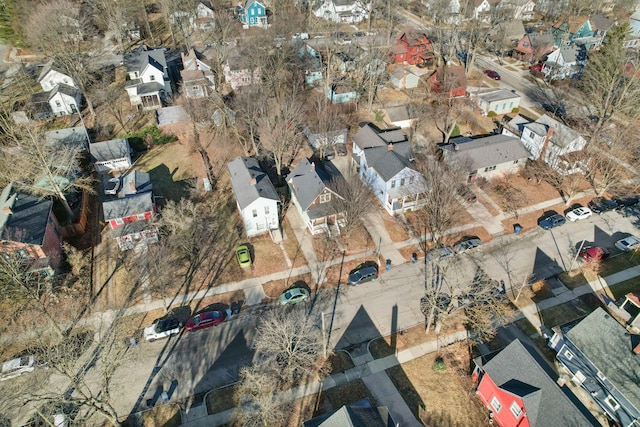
455, 147
253, 181
390, 147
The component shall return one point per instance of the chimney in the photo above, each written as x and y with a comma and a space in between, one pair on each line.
636, 349
253, 181
545, 144
7, 210
313, 165
132, 186
455, 147
390, 147
561, 381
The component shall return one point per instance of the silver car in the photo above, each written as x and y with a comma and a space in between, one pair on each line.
627, 244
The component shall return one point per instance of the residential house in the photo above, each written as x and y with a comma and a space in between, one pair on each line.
62, 100
252, 13
51, 76
629, 310
601, 356
315, 200
323, 139
341, 93
129, 214
198, 81
341, 11
520, 389
574, 30
480, 9
112, 155
71, 137
486, 157
411, 47
384, 159
401, 116
505, 36
534, 46
402, 78
448, 13
201, 18
29, 231
518, 9
312, 59
500, 101
451, 79
633, 38
151, 76
564, 63
601, 26
238, 71
357, 414
552, 141
256, 197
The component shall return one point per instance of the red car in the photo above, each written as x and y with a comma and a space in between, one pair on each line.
492, 74
205, 319
594, 253
537, 67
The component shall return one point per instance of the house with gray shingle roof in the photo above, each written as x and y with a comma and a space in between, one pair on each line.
500, 101
518, 387
564, 63
151, 76
130, 213
256, 197
341, 11
384, 160
114, 154
357, 414
487, 157
601, 356
62, 100
313, 197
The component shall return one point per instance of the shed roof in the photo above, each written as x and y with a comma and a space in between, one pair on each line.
370, 135
498, 95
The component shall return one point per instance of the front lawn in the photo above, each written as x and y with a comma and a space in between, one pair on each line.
588, 273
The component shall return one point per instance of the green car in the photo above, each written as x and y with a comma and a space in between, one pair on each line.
293, 296
243, 256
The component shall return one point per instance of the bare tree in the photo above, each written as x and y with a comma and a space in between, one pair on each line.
114, 15
603, 166
257, 403
221, 38
373, 71
326, 120
445, 110
250, 105
357, 199
511, 198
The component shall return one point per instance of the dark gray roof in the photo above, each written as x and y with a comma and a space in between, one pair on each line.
109, 150
65, 89
143, 56
127, 206
306, 183
497, 95
562, 134
602, 23
358, 414
370, 135
399, 113
488, 151
135, 182
40, 97
242, 171
45, 70
388, 163
607, 344
148, 88
27, 221
521, 371
74, 137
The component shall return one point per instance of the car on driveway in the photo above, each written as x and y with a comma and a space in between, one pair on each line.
365, 272
600, 205
243, 256
467, 243
552, 221
16, 367
162, 328
630, 243
594, 253
578, 214
294, 296
492, 74
112, 186
556, 109
626, 202
205, 319
443, 251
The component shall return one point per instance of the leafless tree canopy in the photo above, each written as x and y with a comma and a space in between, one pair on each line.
357, 200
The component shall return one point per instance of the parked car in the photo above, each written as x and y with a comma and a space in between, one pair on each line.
600, 204
112, 186
552, 221
630, 243
365, 272
16, 367
443, 251
537, 67
294, 296
243, 256
578, 214
492, 74
625, 202
359, 34
162, 328
467, 243
593, 253
205, 319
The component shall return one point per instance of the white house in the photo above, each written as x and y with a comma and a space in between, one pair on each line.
111, 155
487, 157
521, 9
562, 63
239, 72
198, 81
478, 9
552, 141
342, 11
384, 161
314, 199
399, 116
500, 101
325, 139
402, 78
149, 80
256, 197
51, 76
448, 13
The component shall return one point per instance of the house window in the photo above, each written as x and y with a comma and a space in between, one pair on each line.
568, 354
495, 404
525, 44
504, 105
251, 20
393, 184
612, 403
254, 212
253, 12
266, 210
152, 77
402, 182
530, 134
324, 198
516, 410
58, 104
515, 162
411, 180
119, 221
490, 168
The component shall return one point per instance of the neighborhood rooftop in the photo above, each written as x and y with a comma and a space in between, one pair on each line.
23, 217
249, 181
488, 151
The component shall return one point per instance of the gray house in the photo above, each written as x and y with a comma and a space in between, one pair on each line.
602, 357
114, 154
256, 197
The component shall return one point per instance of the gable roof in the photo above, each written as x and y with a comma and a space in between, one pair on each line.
48, 67
541, 40
488, 151
399, 113
521, 371
358, 414
64, 89
370, 135
307, 181
455, 76
508, 30
497, 95
602, 23
243, 171
127, 206
608, 345
27, 220
389, 162
109, 150
74, 137
562, 134
135, 182
143, 56
574, 23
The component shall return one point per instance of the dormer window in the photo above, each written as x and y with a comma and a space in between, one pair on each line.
516, 410
152, 77
326, 197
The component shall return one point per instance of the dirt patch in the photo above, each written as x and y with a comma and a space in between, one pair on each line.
396, 229
533, 192
340, 362
328, 248
434, 397
408, 251
416, 221
274, 288
336, 397
267, 256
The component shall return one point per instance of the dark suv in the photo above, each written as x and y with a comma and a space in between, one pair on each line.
600, 205
365, 272
552, 221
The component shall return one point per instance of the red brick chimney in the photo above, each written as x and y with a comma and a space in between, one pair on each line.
636, 349
545, 144
253, 181
390, 147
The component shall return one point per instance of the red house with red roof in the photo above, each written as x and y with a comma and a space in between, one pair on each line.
412, 47
521, 389
451, 79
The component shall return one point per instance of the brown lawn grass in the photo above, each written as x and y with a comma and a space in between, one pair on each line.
395, 228
268, 257
167, 415
407, 251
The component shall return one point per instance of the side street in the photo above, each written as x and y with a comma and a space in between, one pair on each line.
367, 213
